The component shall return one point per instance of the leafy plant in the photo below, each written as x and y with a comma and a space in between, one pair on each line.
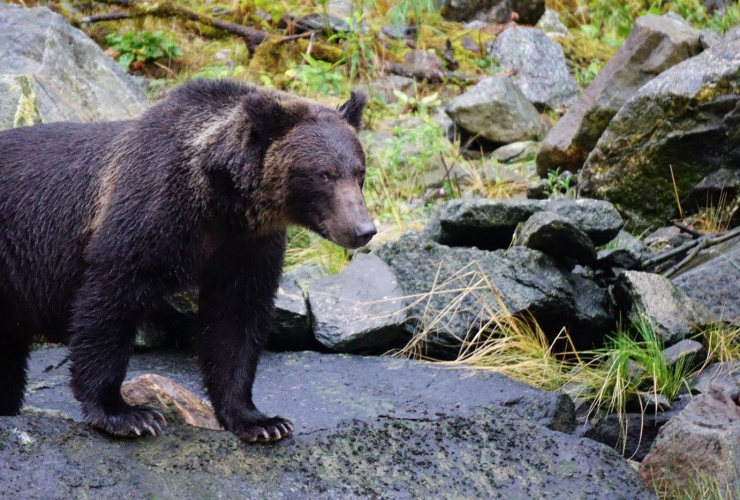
414, 104
559, 184
317, 76
219, 70
142, 46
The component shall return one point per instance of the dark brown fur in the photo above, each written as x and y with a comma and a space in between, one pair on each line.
98, 222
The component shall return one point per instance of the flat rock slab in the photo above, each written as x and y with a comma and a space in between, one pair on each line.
366, 428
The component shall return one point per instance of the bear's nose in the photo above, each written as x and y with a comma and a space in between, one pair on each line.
364, 233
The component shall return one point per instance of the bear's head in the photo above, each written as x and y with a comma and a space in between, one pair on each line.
315, 160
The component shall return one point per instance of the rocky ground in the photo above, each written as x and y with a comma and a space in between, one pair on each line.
620, 222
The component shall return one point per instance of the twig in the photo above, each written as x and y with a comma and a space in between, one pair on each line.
449, 180
686, 229
695, 246
698, 248
670, 254
101, 18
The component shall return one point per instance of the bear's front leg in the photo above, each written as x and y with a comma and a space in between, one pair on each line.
237, 293
108, 306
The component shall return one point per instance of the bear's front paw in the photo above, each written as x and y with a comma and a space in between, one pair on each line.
265, 430
132, 421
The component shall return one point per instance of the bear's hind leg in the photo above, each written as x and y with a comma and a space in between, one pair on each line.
15, 346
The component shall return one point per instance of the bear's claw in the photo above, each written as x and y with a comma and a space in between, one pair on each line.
131, 422
266, 431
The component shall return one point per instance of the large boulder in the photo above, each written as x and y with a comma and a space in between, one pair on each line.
376, 427
455, 291
496, 110
655, 44
700, 444
361, 309
541, 71
490, 224
50, 71
558, 237
652, 297
497, 11
717, 266
682, 126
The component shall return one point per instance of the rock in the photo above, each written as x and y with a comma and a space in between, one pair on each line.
50, 71
541, 69
496, 110
292, 321
490, 224
383, 87
616, 258
176, 403
361, 309
672, 314
710, 38
552, 25
498, 11
381, 423
516, 152
682, 349
438, 176
556, 236
522, 279
719, 377
705, 435
715, 190
654, 402
595, 314
717, 266
685, 121
538, 190
150, 336
625, 241
399, 31
655, 44
665, 238
319, 22
423, 59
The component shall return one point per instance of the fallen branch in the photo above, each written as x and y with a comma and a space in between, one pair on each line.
694, 248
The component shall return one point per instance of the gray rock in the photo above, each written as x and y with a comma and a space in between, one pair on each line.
665, 238
383, 87
361, 309
498, 11
685, 120
496, 110
490, 224
616, 258
516, 152
552, 25
380, 422
423, 59
292, 321
398, 31
705, 435
655, 44
521, 279
719, 377
652, 297
541, 70
320, 22
682, 349
715, 190
595, 314
710, 38
556, 236
438, 176
625, 241
733, 34
50, 71
717, 267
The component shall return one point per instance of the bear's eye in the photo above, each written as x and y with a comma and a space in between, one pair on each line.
325, 177
361, 176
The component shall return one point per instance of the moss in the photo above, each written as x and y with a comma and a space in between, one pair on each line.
26, 112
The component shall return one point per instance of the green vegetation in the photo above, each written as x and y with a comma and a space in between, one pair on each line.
142, 46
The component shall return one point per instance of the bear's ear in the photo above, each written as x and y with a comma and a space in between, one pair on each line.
351, 110
268, 118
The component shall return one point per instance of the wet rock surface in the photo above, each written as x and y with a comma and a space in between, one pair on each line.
50, 71
451, 434
655, 44
558, 236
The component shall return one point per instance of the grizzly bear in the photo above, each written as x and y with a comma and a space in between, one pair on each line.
99, 222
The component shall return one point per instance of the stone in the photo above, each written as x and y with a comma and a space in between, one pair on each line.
498, 11
361, 309
665, 238
398, 31
383, 87
150, 336
496, 110
552, 25
320, 22
616, 258
490, 224
595, 313
438, 176
655, 44
423, 59
684, 348
719, 377
541, 69
652, 297
704, 439
717, 189
51, 72
292, 321
710, 38
177, 404
516, 152
516, 281
718, 267
381, 422
625, 241
683, 121
556, 236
